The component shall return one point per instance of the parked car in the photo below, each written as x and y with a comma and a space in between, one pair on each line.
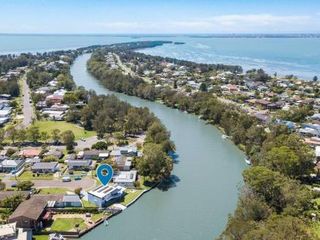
66, 179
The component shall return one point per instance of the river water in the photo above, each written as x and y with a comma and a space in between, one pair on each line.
207, 177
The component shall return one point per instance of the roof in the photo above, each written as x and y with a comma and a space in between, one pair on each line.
44, 165
34, 207
7, 230
79, 162
10, 163
103, 191
71, 198
125, 177
5, 194
30, 152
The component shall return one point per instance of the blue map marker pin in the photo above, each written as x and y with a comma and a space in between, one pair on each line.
104, 173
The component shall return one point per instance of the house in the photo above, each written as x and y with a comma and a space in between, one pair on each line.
45, 167
54, 152
32, 213
89, 154
123, 163
54, 115
12, 232
126, 178
129, 151
30, 153
9, 165
79, 164
69, 200
103, 196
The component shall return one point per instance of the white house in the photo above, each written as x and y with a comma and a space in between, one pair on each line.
126, 178
103, 196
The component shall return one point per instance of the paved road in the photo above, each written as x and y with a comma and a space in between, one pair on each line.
128, 70
84, 183
27, 110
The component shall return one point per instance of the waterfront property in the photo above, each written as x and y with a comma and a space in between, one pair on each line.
126, 178
12, 232
103, 196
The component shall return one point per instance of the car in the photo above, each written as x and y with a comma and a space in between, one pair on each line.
66, 179
77, 178
14, 185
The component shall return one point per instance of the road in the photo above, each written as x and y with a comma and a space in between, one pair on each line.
85, 183
28, 112
127, 70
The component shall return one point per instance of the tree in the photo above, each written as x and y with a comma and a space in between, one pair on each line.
281, 228
203, 87
50, 159
55, 135
315, 78
154, 163
78, 191
68, 139
284, 160
12, 133
100, 145
2, 135
33, 133
22, 135
25, 185
44, 136
12, 202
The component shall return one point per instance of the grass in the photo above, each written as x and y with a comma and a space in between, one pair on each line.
67, 224
29, 176
78, 131
97, 216
130, 195
87, 203
53, 190
40, 237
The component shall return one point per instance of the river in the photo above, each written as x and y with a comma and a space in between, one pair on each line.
207, 177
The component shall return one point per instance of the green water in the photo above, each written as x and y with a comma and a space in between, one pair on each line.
206, 177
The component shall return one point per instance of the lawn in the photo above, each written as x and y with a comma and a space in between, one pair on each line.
53, 191
97, 216
130, 195
78, 131
87, 203
29, 176
40, 237
67, 224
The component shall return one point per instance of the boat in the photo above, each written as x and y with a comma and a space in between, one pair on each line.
248, 161
225, 136
106, 223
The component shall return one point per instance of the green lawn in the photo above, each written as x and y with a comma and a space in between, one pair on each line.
53, 190
67, 224
40, 237
97, 216
130, 196
29, 176
87, 203
78, 131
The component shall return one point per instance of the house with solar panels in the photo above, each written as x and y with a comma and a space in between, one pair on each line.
104, 196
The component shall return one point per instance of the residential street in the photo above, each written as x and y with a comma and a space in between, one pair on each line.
27, 110
85, 183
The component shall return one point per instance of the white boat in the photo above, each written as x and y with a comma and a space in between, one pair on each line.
224, 136
248, 161
106, 223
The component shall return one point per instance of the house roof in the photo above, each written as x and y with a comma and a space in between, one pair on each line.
30, 152
71, 198
44, 165
79, 162
10, 163
34, 207
5, 194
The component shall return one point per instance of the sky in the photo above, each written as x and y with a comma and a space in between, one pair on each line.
159, 16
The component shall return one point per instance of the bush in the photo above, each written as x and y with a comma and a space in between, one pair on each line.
101, 145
